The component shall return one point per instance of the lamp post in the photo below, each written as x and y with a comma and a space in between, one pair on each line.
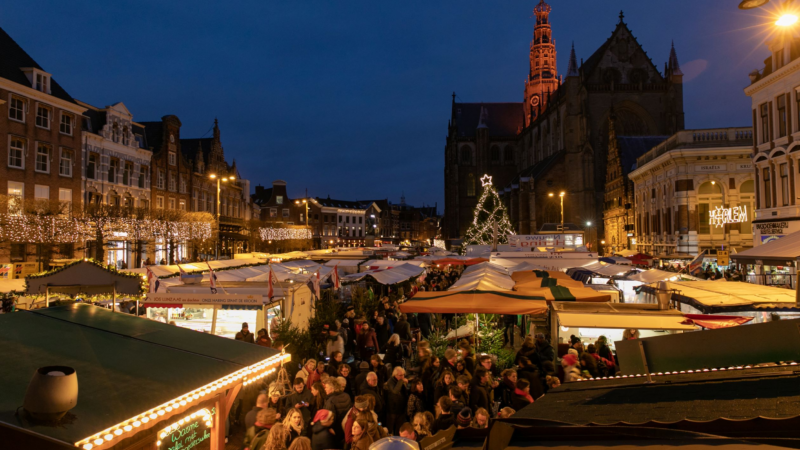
220, 180
561, 196
304, 202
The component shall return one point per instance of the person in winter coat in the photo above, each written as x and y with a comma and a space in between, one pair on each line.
361, 405
467, 354
528, 371
373, 388
318, 397
335, 342
403, 329
300, 399
276, 440
363, 370
544, 351
425, 324
528, 350
338, 402
415, 398
456, 395
250, 417
479, 390
393, 351
367, 342
344, 372
294, 425
275, 401
588, 363
604, 367
572, 371
507, 386
521, 396
509, 321
446, 379
257, 434
361, 438
308, 368
322, 434
245, 334
396, 400
263, 338
382, 331
446, 418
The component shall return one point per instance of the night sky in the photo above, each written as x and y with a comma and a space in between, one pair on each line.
351, 99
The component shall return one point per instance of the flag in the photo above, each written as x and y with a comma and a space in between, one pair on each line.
152, 280
272, 280
212, 278
697, 263
315, 280
335, 276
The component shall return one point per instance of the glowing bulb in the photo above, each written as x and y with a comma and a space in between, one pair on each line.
98, 442
154, 416
786, 20
145, 419
160, 412
158, 443
127, 428
118, 431
109, 437
87, 447
137, 424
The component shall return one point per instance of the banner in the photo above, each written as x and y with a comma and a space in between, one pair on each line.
205, 299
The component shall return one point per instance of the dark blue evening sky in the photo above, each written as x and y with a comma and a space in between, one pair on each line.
351, 98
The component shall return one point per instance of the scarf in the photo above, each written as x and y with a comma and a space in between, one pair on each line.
524, 394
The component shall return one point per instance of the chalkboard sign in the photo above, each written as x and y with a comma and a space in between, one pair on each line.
192, 434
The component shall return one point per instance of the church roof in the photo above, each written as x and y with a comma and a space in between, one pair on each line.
632, 147
590, 64
15, 58
502, 119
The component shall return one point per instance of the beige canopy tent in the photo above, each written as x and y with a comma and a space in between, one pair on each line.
619, 316
780, 252
727, 296
84, 277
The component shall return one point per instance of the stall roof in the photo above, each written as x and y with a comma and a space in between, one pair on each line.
483, 279
653, 275
780, 252
85, 277
721, 296
619, 315
521, 277
345, 262
479, 302
126, 365
606, 270
394, 275
373, 264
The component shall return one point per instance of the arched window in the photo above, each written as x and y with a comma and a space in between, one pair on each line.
747, 199
495, 154
509, 154
466, 155
470, 185
709, 197
115, 132
125, 135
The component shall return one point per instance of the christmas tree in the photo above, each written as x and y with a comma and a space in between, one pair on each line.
489, 210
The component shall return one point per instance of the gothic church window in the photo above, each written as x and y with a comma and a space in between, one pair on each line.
466, 155
495, 153
470, 185
509, 155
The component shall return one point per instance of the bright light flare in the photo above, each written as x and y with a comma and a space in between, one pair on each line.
786, 20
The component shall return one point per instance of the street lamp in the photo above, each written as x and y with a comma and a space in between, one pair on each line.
220, 180
561, 196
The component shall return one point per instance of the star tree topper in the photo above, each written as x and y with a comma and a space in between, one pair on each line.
486, 180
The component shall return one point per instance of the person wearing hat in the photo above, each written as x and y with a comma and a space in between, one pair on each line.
322, 434
363, 370
256, 435
308, 369
464, 418
275, 401
349, 323
335, 342
245, 335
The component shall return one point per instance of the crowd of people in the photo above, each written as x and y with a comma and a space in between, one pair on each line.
366, 385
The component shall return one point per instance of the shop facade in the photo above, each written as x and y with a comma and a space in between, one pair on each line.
695, 192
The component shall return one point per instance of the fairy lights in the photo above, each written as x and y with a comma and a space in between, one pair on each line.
109, 437
490, 209
284, 234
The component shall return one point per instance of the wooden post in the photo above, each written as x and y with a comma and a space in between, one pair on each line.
114, 297
46, 296
214, 321
218, 434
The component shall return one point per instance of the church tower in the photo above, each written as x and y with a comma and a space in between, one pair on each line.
542, 80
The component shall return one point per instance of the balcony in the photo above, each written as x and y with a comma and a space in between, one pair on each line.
233, 221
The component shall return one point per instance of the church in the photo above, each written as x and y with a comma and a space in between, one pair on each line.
557, 139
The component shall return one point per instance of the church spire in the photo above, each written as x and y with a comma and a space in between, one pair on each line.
543, 77
484, 117
673, 66
216, 129
572, 68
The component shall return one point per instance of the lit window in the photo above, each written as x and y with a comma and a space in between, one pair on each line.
171, 203
160, 179
160, 202
278, 199
43, 158
172, 158
91, 167
65, 198
42, 116
16, 191
16, 109
41, 192
182, 205
66, 124
16, 149
65, 163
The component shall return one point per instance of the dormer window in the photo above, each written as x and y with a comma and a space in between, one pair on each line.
125, 135
39, 79
172, 158
115, 132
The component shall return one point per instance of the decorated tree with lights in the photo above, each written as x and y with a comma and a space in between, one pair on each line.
490, 213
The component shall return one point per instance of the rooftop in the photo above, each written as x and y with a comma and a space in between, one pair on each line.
700, 139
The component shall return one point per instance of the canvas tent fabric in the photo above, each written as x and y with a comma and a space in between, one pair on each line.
476, 302
85, 277
528, 275
653, 275
721, 296
547, 282
566, 294
606, 270
374, 264
619, 316
783, 251
625, 253
114, 356
713, 322
485, 266
484, 279
389, 276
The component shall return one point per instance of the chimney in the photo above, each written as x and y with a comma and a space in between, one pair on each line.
52, 392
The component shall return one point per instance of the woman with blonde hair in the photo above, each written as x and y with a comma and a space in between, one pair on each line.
277, 438
421, 424
393, 351
481, 419
294, 425
301, 443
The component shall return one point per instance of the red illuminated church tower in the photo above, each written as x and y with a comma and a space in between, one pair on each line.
542, 80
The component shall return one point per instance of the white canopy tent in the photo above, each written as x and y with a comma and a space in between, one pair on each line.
721, 296
483, 279
653, 275
389, 276
374, 264
783, 251
606, 270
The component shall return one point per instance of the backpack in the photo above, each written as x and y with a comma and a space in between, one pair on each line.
602, 367
259, 440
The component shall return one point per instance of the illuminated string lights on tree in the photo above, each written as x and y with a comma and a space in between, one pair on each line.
284, 234
488, 211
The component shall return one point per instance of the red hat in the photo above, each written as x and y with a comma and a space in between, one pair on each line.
321, 415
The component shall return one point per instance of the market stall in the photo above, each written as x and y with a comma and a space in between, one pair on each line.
566, 294
474, 302
483, 279
773, 263
399, 274
128, 383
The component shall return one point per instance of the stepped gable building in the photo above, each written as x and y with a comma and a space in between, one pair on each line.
557, 138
